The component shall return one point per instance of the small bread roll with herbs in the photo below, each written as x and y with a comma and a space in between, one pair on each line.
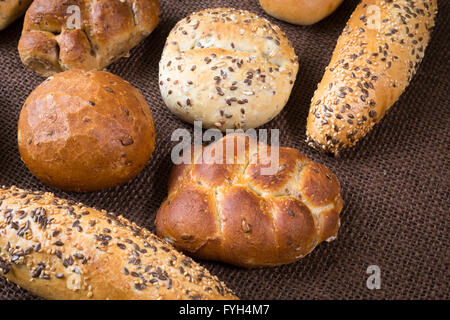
302, 12
85, 131
227, 68
374, 61
59, 35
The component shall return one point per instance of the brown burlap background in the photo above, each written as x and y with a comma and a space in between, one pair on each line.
395, 182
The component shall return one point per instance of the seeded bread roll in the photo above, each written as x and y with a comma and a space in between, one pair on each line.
85, 131
239, 214
303, 12
227, 68
59, 35
373, 62
59, 249
10, 10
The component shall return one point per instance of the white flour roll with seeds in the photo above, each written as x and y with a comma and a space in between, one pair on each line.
227, 68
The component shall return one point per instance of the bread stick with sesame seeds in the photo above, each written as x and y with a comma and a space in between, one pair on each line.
374, 61
302, 12
60, 249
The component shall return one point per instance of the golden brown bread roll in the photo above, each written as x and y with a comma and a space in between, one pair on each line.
57, 36
303, 12
60, 249
227, 68
85, 130
374, 60
236, 214
10, 10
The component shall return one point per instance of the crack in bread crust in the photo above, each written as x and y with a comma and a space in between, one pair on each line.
60, 249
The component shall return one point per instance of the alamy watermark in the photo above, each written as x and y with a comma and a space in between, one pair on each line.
230, 152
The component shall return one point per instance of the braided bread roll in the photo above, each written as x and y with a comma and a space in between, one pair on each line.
373, 62
60, 35
10, 10
234, 213
60, 249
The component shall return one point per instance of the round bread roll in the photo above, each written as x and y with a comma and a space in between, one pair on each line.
230, 210
227, 68
85, 131
303, 12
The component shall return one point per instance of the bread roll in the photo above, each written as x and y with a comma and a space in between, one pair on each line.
236, 214
60, 249
59, 35
227, 68
85, 130
374, 60
10, 10
303, 12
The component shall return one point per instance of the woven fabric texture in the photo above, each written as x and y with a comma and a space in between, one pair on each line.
395, 182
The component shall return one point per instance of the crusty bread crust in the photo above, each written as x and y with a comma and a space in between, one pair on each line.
370, 68
234, 213
227, 68
85, 130
109, 30
302, 12
10, 10
60, 249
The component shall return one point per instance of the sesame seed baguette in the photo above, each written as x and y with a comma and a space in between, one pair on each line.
60, 249
10, 10
371, 67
